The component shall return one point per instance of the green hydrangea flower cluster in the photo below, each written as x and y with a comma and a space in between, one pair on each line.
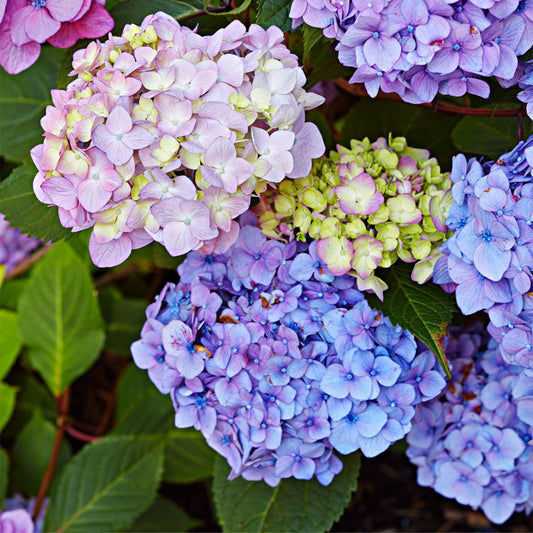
366, 207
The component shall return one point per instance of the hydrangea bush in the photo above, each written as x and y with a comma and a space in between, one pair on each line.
275, 361
366, 207
165, 134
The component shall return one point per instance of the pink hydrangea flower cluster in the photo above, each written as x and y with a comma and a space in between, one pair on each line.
165, 134
26, 24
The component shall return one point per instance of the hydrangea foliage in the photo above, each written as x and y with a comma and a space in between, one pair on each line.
279, 363
488, 259
366, 207
418, 48
26, 24
474, 443
164, 135
14, 246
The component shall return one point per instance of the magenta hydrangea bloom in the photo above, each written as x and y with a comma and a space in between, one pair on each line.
14, 246
25, 25
473, 443
279, 365
165, 134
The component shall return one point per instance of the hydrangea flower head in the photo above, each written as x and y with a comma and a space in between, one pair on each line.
277, 371
165, 134
418, 48
473, 443
25, 25
14, 246
488, 260
366, 206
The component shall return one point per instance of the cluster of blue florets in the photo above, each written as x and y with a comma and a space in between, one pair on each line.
488, 259
418, 48
474, 443
279, 363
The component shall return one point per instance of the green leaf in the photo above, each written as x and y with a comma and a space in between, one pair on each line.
425, 310
493, 135
23, 99
7, 401
188, 458
164, 516
422, 127
294, 505
10, 293
4, 468
141, 408
274, 13
21, 207
106, 486
239, 9
59, 318
31, 454
322, 63
124, 319
311, 37
10, 341
134, 11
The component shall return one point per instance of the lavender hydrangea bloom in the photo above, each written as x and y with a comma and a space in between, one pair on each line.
279, 372
14, 246
488, 258
418, 48
471, 444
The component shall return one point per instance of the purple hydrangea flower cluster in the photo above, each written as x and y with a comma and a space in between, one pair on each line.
14, 246
489, 258
26, 24
418, 48
474, 443
279, 363
165, 134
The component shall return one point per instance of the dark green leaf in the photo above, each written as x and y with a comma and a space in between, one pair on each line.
239, 9
187, 457
23, 99
20, 206
164, 516
274, 13
10, 292
31, 455
293, 505
134, 11
59, 318
106, 486
322, 63
10, 341
141, 408
311, 37
7, 401
490, 136
425, 310
422, 127
4, 468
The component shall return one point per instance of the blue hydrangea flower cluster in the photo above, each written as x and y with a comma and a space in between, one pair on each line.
525, 82
418, 48
489, 257
279, 363
474, 443
14, 246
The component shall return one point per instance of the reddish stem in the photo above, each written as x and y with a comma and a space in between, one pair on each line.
442, 107
80, 435
62, 401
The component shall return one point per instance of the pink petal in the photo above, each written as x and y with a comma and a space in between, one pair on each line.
64, 10
230, 70
91, 195
16, 26
39, 25
109, 254
178, 239
138, 138
15, 59
119, 121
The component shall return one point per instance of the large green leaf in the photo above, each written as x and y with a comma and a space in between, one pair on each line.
490, 136
274, 13
10, 292
188, 458
106, 486
141, 408
31, 454
164, 516
7, 401
20, 206
59, 318
10, 341
422, 127
23, 99
293, 505
424, 310
320, 61
134, 11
